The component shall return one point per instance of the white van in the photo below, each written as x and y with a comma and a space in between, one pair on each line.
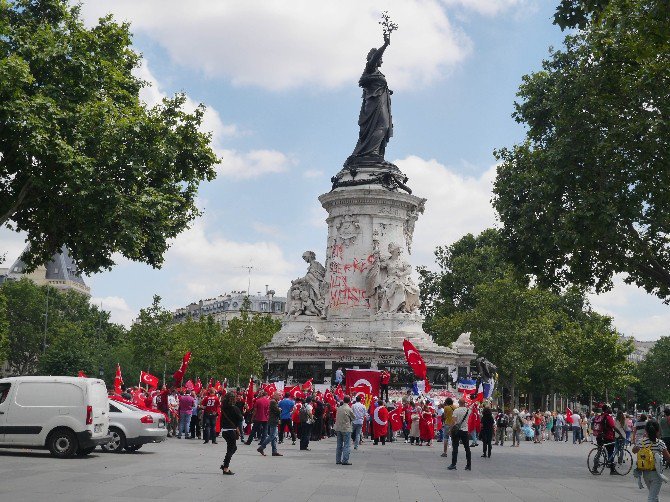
67, 415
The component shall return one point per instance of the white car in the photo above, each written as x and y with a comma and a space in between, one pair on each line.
67, 415
131, 427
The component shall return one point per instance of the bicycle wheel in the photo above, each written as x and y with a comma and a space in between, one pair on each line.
623, 462
596, 460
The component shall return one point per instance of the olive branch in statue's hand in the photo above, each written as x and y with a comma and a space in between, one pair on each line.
388, 26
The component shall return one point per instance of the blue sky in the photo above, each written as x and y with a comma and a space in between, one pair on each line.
279, 79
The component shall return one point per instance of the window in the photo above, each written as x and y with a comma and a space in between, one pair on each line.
4, 391
48, 394
264, 307
113, 409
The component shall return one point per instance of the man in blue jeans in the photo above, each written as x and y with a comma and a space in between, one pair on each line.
357, 425
286, 406
343, 428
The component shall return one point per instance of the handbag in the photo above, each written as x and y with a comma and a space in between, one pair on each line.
237, 429
456, 427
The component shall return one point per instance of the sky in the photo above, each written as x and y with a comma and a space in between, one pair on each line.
279, 79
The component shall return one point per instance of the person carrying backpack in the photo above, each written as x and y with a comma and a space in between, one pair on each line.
604, 429
650, 451
502, 422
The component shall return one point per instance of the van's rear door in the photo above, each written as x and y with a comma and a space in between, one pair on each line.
97, 399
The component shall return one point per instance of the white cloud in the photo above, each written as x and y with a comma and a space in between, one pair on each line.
12, 245
252, 164
312, 173
484, 7
457, 204
279, 45
205, 264
269, 230
121, 312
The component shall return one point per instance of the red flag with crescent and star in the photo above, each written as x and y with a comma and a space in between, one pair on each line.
416, 362
179, 374
149, 379
365, 382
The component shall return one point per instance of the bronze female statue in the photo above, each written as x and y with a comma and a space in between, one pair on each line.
375, 121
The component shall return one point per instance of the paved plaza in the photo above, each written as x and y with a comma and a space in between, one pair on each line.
188, 470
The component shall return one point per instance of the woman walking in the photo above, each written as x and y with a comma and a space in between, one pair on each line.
487, 431
651, 477
230, 419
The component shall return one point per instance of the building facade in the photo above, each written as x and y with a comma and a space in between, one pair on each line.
641, 348
228, 306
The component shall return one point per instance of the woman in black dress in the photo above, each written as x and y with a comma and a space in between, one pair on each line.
487, 430
230, 420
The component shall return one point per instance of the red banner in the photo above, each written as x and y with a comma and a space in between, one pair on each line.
366, 382
149, 379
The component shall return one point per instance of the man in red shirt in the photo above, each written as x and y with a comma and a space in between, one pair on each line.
210, 405
607, 435
385, 379
259, 416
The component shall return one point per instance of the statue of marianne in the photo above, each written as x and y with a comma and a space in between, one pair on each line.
375, 122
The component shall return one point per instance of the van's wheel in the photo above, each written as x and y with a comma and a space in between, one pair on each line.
62, 443
118, 442
85, 451
133, 448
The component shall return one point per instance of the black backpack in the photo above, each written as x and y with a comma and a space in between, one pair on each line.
502, 420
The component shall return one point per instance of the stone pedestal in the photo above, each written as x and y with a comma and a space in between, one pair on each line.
361, 321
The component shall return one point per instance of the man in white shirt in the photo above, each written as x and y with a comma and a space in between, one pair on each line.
359, 415
576, 428
460, 421
339, 376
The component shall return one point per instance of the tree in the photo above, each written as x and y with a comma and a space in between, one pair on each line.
462, 266
83, 162
205, 340
652, 374
4, 328
67, 355
243, 338
150, 340
584, 196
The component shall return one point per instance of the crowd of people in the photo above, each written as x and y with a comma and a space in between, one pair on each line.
270, 418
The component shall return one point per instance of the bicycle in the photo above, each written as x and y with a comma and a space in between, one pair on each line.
621, 458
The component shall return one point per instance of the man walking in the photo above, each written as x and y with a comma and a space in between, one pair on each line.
259, 416
447, 422
286, 406
501, 423
273, 422
357, 424
343, 427
460, 435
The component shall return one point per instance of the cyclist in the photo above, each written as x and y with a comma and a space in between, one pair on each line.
605, 430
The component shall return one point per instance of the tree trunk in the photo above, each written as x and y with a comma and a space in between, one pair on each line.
23, 193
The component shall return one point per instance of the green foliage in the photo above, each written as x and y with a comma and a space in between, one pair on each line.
462, 266
652, 373
75, 335
149, 339
4, 328
542, 341
78, 145
584, 196
578, 13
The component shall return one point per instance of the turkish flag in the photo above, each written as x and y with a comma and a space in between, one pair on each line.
395, 417
198, 386
149, 379
294, 392
189, 385
365, 381
339, 392
270, 388
568, 416
380, 422
81, 374
179, 374
330, 399
118, 380
217, 386
307, 385
416, 362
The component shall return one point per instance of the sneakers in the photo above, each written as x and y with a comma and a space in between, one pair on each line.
468, 468
444, 455
346, 463
277, 454
260, 450
452, 467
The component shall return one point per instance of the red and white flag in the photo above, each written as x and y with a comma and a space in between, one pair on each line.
339, 392
81, 374
395, 417
269, 388
366, 382
198, 386
480, 394
118, 380
189, 385
416, 362
149, 379
179, 374
307, 385
250, 393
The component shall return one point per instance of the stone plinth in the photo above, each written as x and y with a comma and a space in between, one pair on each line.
366, 303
